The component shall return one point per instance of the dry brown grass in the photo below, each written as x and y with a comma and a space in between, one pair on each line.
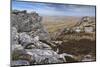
77, 36
78, 44
53, 24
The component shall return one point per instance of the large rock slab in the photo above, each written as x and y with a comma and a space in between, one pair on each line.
45, 56
26, 41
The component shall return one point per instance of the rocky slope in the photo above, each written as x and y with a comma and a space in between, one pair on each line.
30, 42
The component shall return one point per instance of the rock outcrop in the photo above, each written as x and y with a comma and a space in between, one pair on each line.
85, 25
29, 22
31, 43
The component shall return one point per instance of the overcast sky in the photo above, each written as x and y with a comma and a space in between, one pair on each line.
55, 9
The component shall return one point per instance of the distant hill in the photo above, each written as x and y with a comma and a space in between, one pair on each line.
53, 23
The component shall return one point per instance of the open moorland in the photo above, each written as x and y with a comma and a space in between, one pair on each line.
39, 39
80, 44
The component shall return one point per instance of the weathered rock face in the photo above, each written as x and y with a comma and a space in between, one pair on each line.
29, 22
42, 56
30, 42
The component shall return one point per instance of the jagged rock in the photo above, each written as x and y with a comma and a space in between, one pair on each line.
43, 35
25, 39
28, 22
17, 47
28, 41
